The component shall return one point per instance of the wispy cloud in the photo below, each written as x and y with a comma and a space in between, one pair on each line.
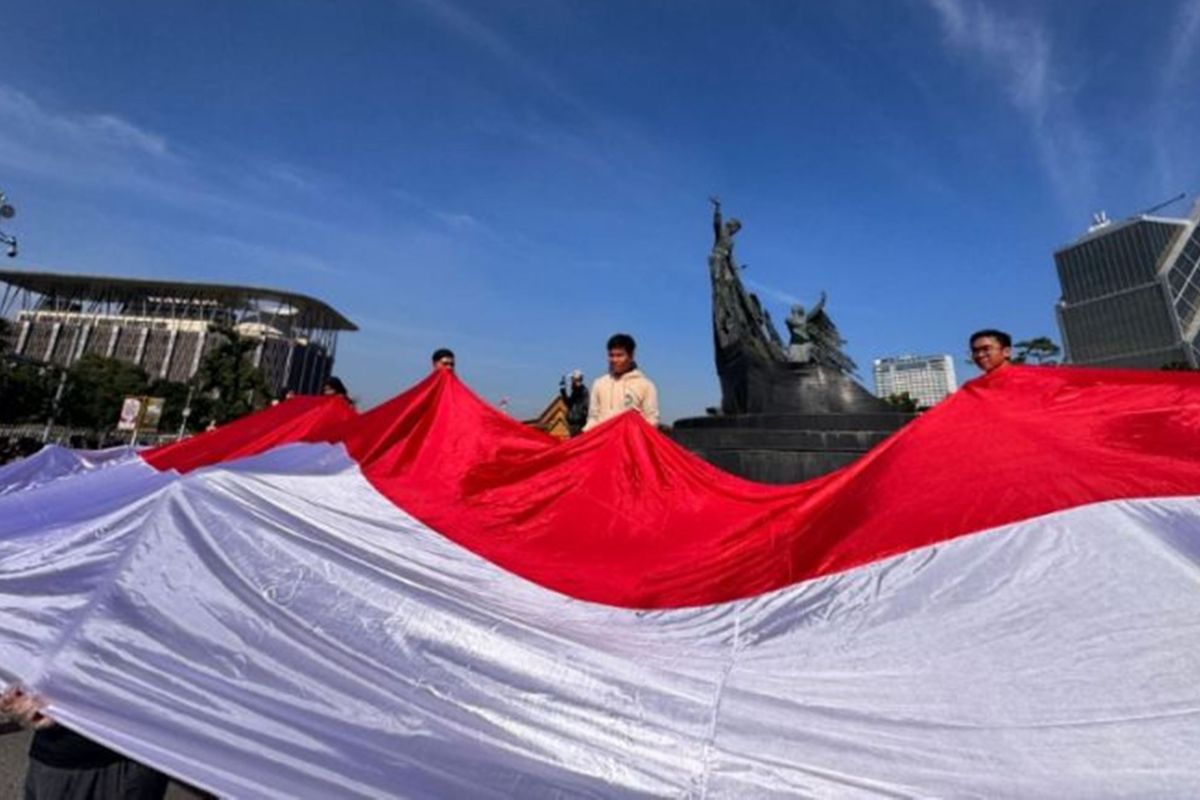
120, 132
256, 255
110, 152
1168, 144
778, 295
1019, 53
287, 176
555, 118
1183, 40
456, 220
1019, 50
472, 29
452, 220
465, 226
35, 139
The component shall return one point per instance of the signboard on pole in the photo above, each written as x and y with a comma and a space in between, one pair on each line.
152, 411
131, 412
140, 413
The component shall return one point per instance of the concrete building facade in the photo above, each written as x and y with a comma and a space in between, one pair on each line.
168, 327
927, 379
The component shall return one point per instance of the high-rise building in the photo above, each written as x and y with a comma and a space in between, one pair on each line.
1131, 293
926, 379
168, 327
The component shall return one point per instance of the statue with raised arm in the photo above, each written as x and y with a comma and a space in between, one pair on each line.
815, 338
723, 233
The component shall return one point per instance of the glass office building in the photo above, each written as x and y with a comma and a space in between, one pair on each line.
1131, 293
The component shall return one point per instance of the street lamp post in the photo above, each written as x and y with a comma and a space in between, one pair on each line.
58, 393
187, 411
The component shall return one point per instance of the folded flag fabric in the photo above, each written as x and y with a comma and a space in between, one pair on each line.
431, 600
306, 418
53, 462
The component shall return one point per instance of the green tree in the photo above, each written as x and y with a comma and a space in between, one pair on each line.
902, 401
234, 384
1040, 350
26, 391
175, 397
95, 388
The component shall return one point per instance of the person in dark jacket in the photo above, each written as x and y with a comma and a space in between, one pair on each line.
576, 400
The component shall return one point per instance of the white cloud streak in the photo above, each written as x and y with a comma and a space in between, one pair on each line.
104, 150
61, 145
255, 255
585, 135
1183, 41
1170, 146
1019, 53
475, 31
1019, 50
778, 295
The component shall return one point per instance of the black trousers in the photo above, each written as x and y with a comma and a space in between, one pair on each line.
124, 780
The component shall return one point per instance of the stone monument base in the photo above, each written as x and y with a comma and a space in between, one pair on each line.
785, 448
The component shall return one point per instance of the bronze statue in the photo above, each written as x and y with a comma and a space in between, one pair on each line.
757, 369
788, 412
800, 344
723, 233
815, 339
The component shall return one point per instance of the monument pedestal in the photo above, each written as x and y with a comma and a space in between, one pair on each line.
785, 448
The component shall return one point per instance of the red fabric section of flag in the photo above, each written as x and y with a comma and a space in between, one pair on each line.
624, 516
300, 419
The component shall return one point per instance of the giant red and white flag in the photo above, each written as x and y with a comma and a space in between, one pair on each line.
430, 600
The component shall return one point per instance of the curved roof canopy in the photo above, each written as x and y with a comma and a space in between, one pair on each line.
310, 312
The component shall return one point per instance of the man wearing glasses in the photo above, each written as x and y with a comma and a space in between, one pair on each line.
991, 349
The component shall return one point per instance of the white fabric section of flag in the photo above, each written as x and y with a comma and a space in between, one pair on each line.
276, 628
53, 462
57, 503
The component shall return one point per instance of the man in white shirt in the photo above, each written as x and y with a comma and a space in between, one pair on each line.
624, 388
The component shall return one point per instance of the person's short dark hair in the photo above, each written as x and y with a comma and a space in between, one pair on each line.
1000, 336
440, 353
622, 341
336, 385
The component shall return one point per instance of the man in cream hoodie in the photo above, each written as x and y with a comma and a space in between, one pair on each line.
624, 388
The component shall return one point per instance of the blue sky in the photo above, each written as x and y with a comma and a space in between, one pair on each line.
520, 180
